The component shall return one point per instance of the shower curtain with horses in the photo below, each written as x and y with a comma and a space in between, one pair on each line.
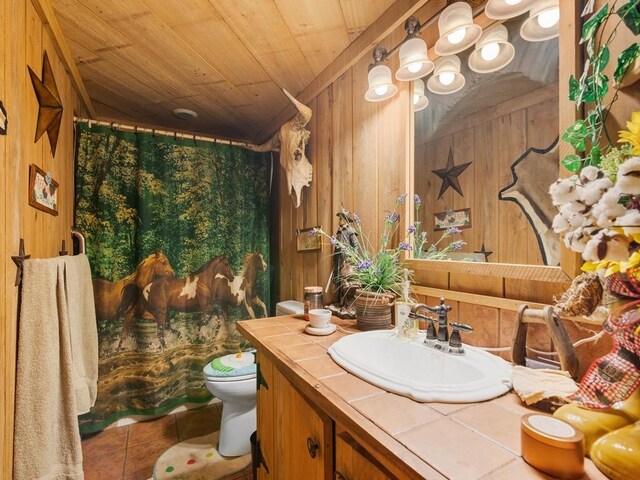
177, 234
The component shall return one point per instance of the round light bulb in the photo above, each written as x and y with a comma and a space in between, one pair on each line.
549, 18
490, 51
512, 2
416, 98
381, 90
414, 67
447, 78
457, 35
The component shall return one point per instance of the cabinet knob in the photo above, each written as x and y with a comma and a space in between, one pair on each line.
312, 446
340, 476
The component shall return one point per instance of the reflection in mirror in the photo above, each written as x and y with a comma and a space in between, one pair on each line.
486, 155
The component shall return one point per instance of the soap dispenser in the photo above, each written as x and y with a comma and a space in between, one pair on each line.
407, 327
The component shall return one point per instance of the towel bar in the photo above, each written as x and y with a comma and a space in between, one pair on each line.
81, 241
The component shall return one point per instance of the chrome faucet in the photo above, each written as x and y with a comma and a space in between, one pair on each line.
440, 339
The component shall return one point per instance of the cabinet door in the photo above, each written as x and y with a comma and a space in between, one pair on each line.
353, 462
303, 436
295, 439
265, 420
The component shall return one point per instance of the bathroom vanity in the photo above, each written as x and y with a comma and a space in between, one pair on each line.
317, 421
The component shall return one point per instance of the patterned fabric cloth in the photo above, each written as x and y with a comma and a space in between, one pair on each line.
615, 376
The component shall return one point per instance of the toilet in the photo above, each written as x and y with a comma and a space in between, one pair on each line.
289, 307
234, 383
235, 386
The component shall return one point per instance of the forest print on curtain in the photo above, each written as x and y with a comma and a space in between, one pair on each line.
170, 225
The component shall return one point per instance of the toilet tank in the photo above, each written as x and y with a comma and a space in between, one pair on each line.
289, 307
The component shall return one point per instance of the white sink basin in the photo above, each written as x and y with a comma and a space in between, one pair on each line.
410, 368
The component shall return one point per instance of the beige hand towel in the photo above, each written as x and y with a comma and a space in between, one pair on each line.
84, 330
46, 438
542, 388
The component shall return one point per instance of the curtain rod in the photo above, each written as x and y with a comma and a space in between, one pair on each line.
166, 133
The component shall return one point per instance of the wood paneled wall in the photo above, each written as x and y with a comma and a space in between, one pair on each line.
492, 140
358, 151
23, 40
362, 154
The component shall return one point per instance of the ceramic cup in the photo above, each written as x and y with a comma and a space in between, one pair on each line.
319, 317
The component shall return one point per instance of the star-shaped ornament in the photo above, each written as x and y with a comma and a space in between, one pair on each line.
485, 252
449, 175
49, 104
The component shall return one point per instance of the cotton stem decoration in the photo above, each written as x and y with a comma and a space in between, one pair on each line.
599, 212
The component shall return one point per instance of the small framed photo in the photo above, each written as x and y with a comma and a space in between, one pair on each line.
452, 218
43, 190
305, 242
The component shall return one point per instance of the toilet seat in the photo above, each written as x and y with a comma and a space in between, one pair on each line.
214, 378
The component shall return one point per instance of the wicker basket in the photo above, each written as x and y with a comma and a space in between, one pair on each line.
373, 310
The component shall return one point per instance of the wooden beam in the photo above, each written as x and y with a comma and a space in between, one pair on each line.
538, 273
494, 302
570, 64
391, 19
43, 7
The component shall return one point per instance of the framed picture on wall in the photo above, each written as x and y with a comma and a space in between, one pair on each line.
452, 218
43, 190
306, 242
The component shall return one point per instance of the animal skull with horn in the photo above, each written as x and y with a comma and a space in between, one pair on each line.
290, 141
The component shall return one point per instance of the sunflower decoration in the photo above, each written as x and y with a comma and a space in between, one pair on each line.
632, 134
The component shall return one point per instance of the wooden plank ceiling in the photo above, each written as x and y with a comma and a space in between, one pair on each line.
225, 59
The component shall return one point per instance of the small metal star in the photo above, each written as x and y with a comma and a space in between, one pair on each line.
19, 260
484, 252
449, 175
49, 104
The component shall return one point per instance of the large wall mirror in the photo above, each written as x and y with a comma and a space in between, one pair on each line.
485, 156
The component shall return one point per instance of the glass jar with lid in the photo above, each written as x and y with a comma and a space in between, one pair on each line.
312, 299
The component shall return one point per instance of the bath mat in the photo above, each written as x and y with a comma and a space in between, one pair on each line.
196, 459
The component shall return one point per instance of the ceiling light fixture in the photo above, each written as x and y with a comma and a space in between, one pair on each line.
457, 30
381, 86
446, 76
414, 59
543, 21
184, 114
420, 100
504, 9
493, 50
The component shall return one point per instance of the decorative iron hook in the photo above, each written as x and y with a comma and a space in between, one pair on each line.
19, 261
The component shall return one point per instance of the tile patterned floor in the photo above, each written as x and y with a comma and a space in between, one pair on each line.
129, 452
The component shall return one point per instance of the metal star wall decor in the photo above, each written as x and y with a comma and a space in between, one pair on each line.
485, 252
449, 175
50, 106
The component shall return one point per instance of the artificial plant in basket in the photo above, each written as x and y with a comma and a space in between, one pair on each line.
378, 269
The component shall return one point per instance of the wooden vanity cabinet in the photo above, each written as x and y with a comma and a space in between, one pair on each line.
295, 439
354, 462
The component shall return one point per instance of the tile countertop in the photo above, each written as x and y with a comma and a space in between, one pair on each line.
435, 440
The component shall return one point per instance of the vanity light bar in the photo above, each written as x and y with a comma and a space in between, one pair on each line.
458, 32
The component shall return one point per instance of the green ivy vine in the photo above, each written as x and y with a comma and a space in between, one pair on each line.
585, 135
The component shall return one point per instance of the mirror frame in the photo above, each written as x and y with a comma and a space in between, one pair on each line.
570, 63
